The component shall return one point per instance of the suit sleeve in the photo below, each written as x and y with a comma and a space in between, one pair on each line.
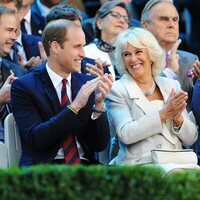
42, 132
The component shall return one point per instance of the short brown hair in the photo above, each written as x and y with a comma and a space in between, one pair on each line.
56, 31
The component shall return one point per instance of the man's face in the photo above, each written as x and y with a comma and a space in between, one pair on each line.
69, 57
164, 24
19, 14
8, 35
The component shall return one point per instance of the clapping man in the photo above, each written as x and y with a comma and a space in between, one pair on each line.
61, 113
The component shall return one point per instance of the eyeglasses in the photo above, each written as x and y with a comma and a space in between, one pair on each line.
117, 15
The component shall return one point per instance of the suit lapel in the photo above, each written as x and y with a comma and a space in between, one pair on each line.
135, 93
164, 88
138, 97
5, 69
75, 85
50, 90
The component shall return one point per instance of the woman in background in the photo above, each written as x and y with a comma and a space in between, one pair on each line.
110, 20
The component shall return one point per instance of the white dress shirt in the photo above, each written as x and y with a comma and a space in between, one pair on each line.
57, 83
27, 22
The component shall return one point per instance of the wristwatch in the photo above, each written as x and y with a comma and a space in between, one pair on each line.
103, 110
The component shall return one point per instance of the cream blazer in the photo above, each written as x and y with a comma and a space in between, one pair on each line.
138, 127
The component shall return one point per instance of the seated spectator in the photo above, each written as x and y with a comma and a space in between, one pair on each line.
161, 18
146, 111
68, 123
88, 24
110, 20
25, 51
8, 70
32, 23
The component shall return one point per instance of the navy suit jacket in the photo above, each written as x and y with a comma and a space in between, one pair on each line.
30, 44
35, 8
37, 24
44, 124
6, 66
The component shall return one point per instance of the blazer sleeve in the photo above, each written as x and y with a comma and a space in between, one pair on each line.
188, 132
41, 133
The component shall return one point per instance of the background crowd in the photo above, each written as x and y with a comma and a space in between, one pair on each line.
106, 81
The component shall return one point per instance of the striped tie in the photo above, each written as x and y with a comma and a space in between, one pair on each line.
70, 149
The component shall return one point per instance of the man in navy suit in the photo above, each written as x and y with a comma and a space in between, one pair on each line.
8, 70
26, 44
32, 23
36, 98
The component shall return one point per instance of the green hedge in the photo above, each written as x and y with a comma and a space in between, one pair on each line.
97, 182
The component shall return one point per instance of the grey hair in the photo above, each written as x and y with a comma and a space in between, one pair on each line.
146, 13
139, 38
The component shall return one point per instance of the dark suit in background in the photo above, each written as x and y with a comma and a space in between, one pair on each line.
37, 24
186, 61
30, 44
44, 125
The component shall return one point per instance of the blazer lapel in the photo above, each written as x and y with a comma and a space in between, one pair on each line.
164, 88
5, 69
75, 86
50, 90
135, 93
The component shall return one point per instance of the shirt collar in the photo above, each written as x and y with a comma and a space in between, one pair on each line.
19, 39
55, 78
27, 17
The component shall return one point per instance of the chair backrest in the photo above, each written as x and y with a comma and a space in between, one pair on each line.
12, 140
3, 156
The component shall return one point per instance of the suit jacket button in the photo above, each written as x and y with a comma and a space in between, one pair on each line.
158, 146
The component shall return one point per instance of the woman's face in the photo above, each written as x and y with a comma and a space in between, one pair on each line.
136, 61
114, 23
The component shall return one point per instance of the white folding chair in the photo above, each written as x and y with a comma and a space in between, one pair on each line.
12, 140
3, 156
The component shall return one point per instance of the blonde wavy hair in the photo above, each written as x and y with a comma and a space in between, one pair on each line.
139, 38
